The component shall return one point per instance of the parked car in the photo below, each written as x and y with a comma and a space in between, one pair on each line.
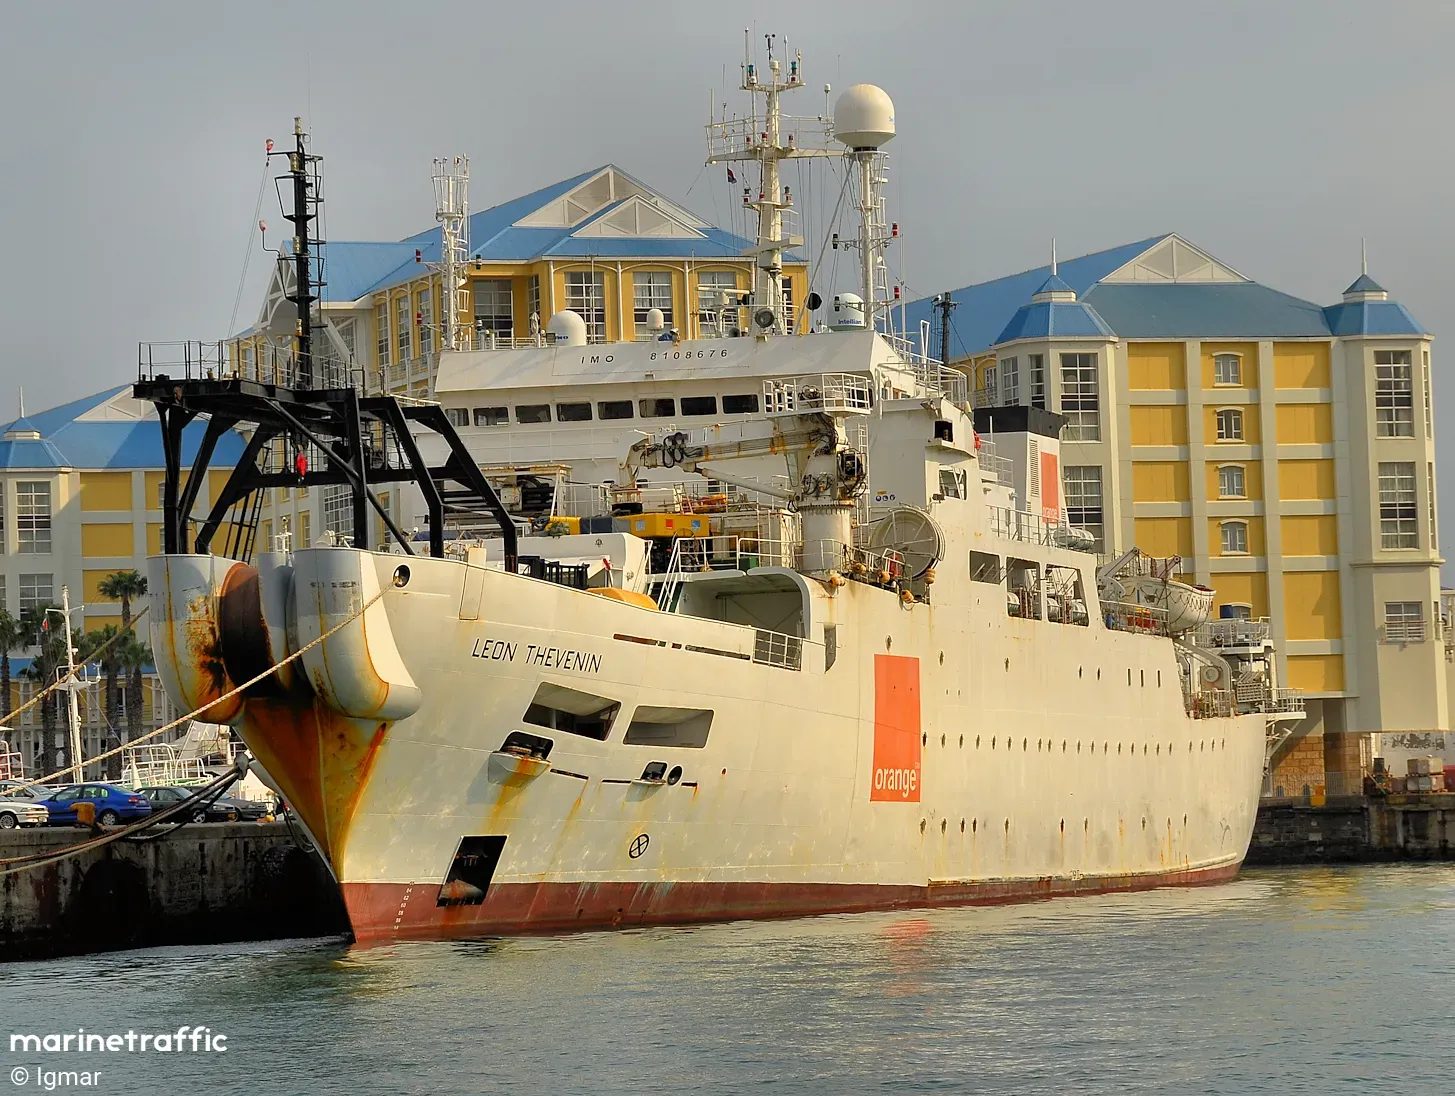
222, 809
113, 804
22, 812
19, 789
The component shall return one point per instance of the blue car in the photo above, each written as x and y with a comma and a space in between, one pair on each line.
113, 804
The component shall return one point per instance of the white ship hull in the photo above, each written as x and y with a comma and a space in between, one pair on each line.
945, 755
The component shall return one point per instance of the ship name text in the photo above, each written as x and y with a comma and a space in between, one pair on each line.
535, 654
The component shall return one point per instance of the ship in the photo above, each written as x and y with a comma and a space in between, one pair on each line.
867, 665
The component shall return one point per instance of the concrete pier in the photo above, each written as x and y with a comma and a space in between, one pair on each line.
1354, 829
200, 884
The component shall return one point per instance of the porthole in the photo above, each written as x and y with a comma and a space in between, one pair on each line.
1025, 744
962, 742
922, 824
977, 742
962, 825
1007, 665
944, 822
1007, 825
1098, 673
1144, 822
1080, 670
401, 575
1063, 825
675, 776
1119, 749
993, 740
924, 739
974, 825
942, 740
888, 642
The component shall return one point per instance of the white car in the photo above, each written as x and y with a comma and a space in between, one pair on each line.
22, 812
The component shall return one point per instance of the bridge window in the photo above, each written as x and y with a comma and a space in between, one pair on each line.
458, 416
740, 405
699, 405
657, 408
533, 412
614, 409
573, 412
492, 416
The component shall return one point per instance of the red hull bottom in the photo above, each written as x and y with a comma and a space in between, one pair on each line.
385, 911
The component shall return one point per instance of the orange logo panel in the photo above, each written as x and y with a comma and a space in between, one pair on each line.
1050, 489
896, 774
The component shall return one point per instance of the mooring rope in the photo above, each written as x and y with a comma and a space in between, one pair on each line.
248, 684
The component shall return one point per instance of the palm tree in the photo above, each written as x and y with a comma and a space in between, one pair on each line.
49, 660
13, 637
122, 586
104, 641
131, 656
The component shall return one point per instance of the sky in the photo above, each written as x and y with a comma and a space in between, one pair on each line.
1275, 135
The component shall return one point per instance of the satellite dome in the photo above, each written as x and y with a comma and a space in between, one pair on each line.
864, 117
567, 328
847, 313
656, 320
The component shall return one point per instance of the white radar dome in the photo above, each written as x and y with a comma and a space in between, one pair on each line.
847, 313
864, 117
656, 321
568, 328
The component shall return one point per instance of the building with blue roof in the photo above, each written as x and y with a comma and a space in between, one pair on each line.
1278, 450
80, 498
602, 244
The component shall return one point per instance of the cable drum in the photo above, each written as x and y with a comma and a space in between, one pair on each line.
914, 534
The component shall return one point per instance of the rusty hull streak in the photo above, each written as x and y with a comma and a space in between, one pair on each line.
321, 759
208, 679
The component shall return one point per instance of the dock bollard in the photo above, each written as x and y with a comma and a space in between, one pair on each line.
86, 815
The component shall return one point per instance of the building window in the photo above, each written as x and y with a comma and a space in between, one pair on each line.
1429, 396
740, 405
586, 296
573, 412
991, 388
714, 300
1399, 521
614, 409
305, 530
1394, 395
651, 289
1230, 424
338, 510
790, 313
1404, 622
458, 416
533, 412
1230, 482
657, 408
1430, 505
1009, 382
37, 593
1036, 364
2, 609
1236, 611
381, 334
492, 416
424, 320
493, 308
1080, 402
1235, 538
1083, 501
33, 516
1227, 369
533, 303
403, 326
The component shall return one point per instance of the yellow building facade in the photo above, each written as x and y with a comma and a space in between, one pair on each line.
1283, 450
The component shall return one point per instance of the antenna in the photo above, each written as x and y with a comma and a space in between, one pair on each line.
945, 303
1053, 256
303, 174
452, 210
778, 138
1363, 256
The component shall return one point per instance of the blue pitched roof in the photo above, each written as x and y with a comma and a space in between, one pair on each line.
1059, 319
997, 311
983, 310
1054, 284
1371, 318
116, 444
354, 269
1142, 310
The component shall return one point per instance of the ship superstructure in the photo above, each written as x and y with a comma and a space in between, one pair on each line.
864, 662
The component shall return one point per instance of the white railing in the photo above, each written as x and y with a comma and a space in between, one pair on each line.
824, 392
1211, 704
777, 649
1231, 632
1012, 524
1405, 631
737, 135
1001, 469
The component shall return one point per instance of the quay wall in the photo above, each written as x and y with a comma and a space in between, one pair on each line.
1354, 829
199, 884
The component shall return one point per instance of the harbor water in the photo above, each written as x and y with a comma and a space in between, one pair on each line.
1309, 980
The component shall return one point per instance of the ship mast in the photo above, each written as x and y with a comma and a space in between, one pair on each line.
743, 140
452, 210
302, 173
